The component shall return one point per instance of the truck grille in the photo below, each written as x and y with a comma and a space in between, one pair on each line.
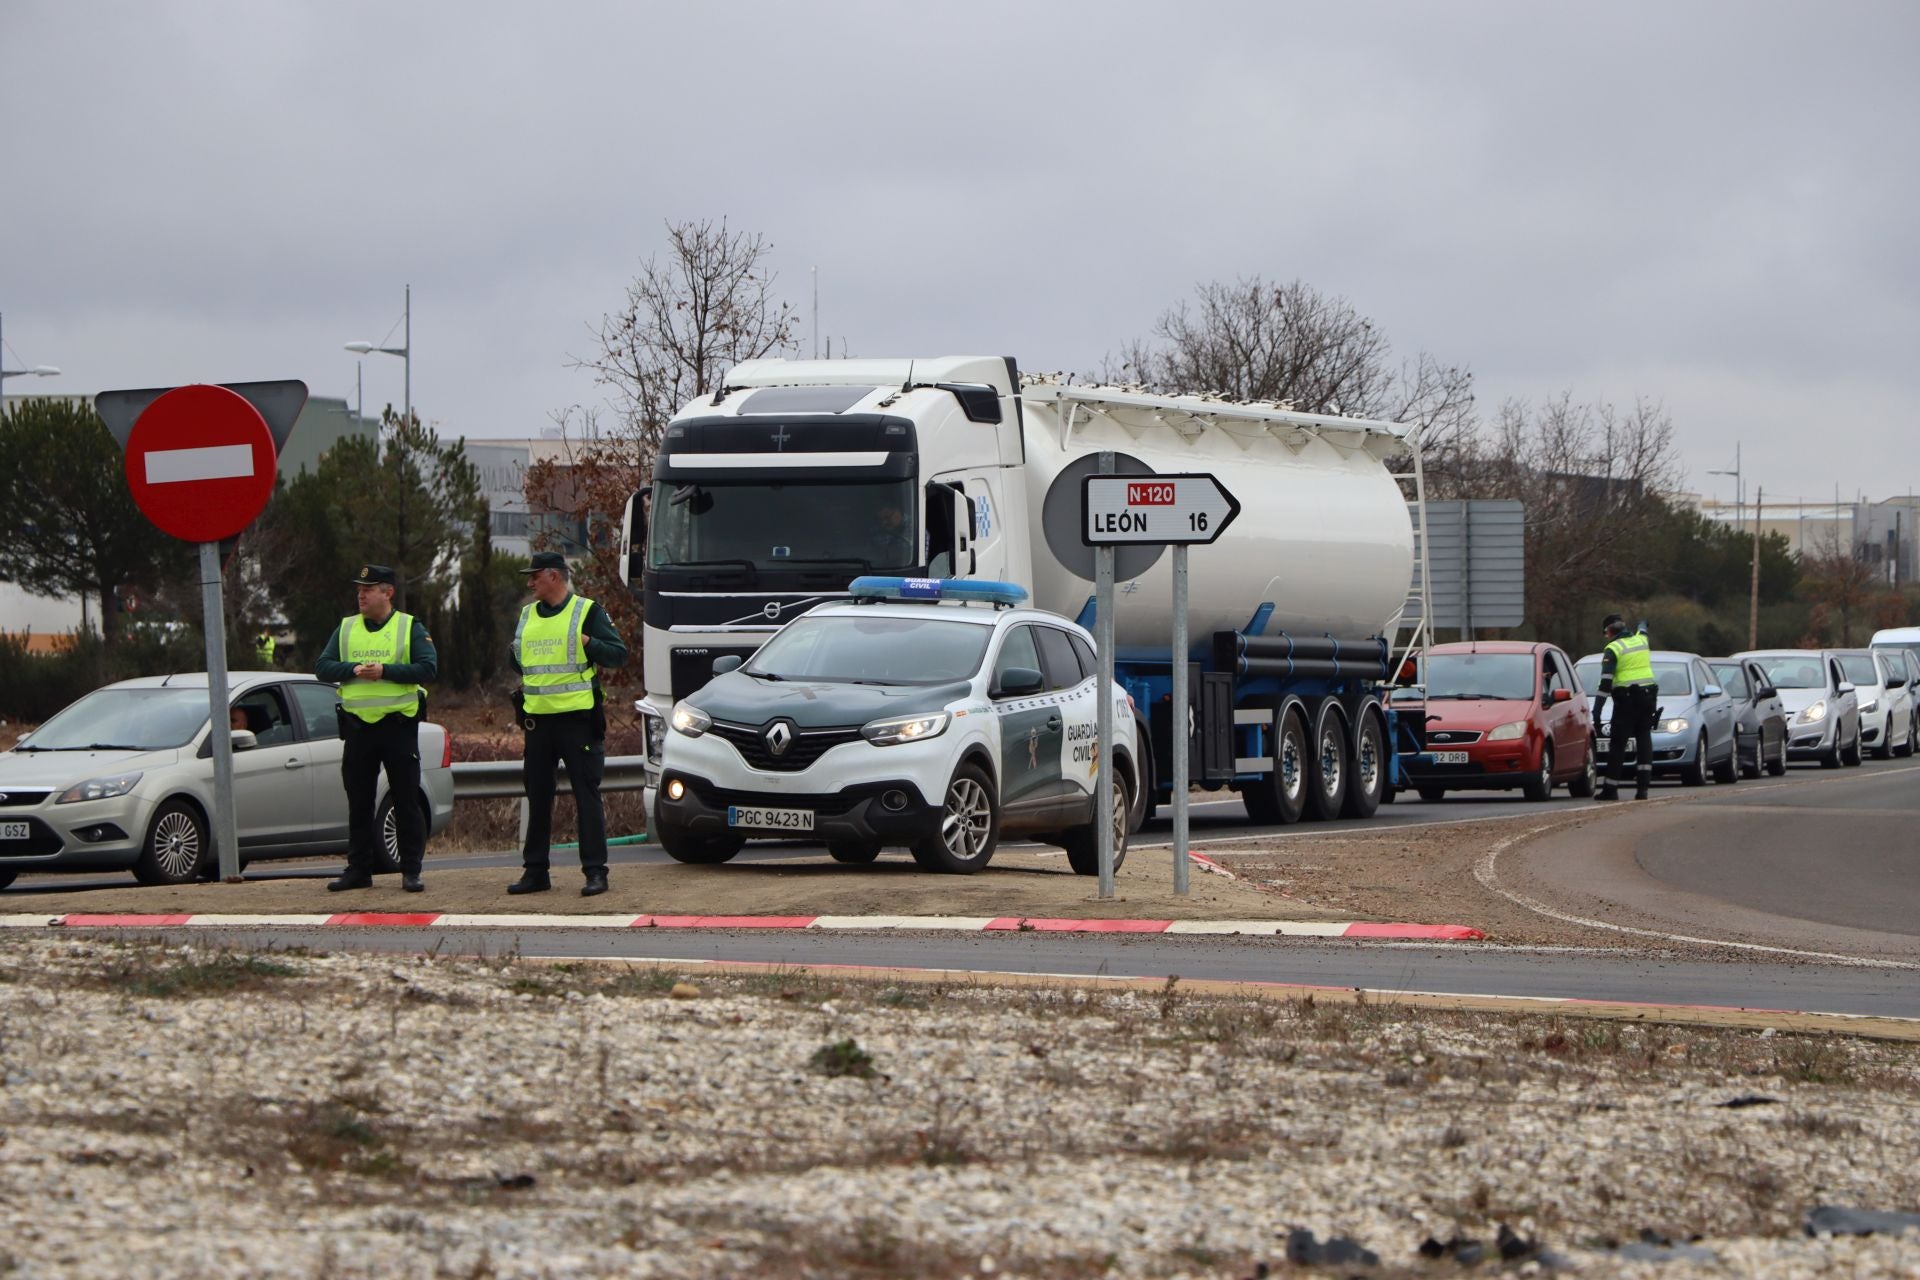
808, 745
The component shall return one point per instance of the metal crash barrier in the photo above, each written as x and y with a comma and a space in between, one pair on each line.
504, 780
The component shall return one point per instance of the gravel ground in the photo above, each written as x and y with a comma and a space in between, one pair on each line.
175, 1111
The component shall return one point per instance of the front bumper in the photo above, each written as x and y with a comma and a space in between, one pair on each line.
92, 835
1490, 766
1672, 752
1809, 741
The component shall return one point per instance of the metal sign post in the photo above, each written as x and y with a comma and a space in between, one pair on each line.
1103, 646
1181, 510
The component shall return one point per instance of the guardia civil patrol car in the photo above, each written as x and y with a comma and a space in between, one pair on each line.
927, 713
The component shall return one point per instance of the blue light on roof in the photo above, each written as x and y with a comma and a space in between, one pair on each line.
875, 587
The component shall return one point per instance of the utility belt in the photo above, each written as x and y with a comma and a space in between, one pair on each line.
595, 716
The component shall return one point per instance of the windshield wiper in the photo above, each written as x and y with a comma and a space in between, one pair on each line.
109, 746
739, 562
33, 746
761, 675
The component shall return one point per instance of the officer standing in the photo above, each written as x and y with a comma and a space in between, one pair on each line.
559, 641
263, 649
1626, 673
380, 658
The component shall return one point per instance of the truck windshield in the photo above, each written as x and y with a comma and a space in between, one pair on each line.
873, 650
1506, 676
756, 524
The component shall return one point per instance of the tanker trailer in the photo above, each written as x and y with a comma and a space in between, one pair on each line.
771, 493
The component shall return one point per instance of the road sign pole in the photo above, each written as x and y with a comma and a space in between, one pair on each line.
1103, 642
220, 734
1182, 735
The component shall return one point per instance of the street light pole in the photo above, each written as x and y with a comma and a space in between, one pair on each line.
38, 371
405, 353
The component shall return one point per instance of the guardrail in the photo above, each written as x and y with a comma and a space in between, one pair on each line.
503, 779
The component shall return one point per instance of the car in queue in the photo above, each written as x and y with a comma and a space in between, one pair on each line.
1908, 659
1886, 705
1502, 715
1760, 718
122, 780
1693, 733
1823, 709
933, 714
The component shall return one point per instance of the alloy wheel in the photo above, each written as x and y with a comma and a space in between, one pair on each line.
968, 821
176, 843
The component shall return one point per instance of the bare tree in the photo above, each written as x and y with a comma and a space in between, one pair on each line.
686, 321
1290, 343
1840, 583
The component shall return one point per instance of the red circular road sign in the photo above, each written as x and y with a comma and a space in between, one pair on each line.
200, 463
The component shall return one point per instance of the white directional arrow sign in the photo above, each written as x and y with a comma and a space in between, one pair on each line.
1189, 509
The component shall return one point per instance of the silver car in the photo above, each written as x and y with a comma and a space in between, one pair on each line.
1693, 734
123, 779
1823, 709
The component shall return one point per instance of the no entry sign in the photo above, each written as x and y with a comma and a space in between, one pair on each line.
200, 463
1188, 509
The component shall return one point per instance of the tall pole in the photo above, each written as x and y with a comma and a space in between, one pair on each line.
816, 312
407, 358
213, 613
1181, 737
1753, 607
1103, 724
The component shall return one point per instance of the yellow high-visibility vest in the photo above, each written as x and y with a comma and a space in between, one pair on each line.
1631, 664
393, 643
555, 673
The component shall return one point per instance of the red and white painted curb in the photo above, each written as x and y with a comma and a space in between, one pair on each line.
945, 924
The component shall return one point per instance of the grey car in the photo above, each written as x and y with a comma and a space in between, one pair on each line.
1760, 724
1693, 731
1823, 708
122, 780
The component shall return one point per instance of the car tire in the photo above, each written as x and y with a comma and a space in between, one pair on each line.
1581, 787
1082, 843
1778, 765
1695, 774
1853, 756
1137, 812
1280, 797
1830, 759
177, 848
1367, 783
1728, 771
969, 826
1539, 785
6, 878
1885, 750
1751, 769
1431, 794
1905, 749
855, 853
684, 846
1327, 766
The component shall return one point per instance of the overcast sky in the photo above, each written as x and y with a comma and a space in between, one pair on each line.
1711, 205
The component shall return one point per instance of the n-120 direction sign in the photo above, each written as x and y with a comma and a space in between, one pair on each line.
1189, 509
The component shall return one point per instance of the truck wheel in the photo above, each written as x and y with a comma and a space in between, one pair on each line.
684, 846
1367, 784
1082, 844
969, 826
1539, 786
1327, 766
854, 852
176, 847
1280, 797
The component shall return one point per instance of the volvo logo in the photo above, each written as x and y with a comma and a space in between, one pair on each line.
779, 737
771, 609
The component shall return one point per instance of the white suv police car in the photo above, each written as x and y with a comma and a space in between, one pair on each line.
928, 713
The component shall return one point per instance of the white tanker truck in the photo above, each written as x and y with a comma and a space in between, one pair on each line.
772, 493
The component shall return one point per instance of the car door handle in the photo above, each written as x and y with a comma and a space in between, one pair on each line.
293, 762
1053, 724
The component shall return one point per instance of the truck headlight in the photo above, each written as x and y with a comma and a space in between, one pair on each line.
99, 788
656, 730
897, 729
691, 721
1813, 714
1674, 726
1508, 732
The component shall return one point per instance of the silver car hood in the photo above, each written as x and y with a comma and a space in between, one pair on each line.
64, 768
1796, 700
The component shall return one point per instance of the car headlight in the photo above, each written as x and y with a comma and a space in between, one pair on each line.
1674, 726
656, 728
1870, 707
691, 721
1813, 714
898, 729
1508, 732
99, 788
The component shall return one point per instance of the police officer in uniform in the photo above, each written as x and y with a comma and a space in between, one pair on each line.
1626, 674
559, 642
263, 650
380, 658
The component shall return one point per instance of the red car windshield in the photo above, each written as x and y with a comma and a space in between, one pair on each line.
1508, 677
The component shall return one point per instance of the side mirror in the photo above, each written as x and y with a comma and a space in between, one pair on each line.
1846, 686
1766, 691
1713, 691
1019, 682
726, 662
243, 739
1560, 696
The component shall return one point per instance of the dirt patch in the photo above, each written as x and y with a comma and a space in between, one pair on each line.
1018, 883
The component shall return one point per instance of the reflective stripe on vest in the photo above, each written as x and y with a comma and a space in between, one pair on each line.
1631, 663
555, 673
391, 644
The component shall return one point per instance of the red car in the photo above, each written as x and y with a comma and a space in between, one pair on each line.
1503, 714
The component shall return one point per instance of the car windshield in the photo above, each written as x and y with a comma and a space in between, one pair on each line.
873, 650
134, 719
1859, 668
1794, 671
1673, 677
862, 525
1731, 678
1509, 677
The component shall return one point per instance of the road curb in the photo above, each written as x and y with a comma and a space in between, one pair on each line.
946, 924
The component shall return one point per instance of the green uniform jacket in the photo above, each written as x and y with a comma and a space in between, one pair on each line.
422, 670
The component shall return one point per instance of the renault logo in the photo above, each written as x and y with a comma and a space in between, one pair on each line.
779, 737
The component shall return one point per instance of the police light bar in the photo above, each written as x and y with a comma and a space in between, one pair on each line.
874, 587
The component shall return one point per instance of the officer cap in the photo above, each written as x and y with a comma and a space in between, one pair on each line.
376, 575
1614, 622
546, 560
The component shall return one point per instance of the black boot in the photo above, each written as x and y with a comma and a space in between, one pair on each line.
531, 881
410, 881
1640, 788
596, 883
351, 878
1607, 791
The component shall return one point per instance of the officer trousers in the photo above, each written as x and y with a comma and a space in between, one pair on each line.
1634, 708
573, 737
392, 743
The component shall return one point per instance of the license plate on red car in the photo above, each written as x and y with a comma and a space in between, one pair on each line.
1449, 757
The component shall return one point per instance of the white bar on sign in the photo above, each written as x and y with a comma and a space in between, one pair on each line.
214, 462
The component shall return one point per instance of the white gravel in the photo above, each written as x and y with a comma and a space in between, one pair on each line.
361, 1116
